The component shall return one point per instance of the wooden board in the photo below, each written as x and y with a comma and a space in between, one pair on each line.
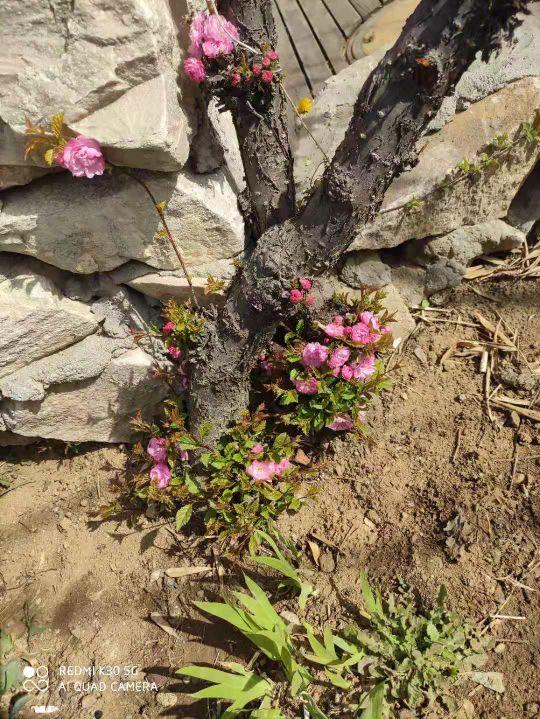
326, 32
312, 59
345, 15
366, 7
295, 80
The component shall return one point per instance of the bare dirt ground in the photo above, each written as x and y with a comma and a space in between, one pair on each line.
442, 494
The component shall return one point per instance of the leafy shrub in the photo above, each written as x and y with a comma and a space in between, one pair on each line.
248, 479
408, 656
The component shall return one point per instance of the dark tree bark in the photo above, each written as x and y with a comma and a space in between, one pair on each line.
262, 134
437, 44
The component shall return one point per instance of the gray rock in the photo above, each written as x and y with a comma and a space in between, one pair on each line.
98, 409
409, 281
485, 197
446, 258
96, 225
466, 243
35, 318
515, 61
111, 67
524, 211
365, 269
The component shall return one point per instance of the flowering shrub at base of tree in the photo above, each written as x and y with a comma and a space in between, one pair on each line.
319, 378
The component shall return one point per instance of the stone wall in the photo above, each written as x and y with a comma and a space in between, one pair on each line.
83, 267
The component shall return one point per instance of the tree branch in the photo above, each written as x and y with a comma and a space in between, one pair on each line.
437, 44
263, 136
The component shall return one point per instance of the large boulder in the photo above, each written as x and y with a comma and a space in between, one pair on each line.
35, 318
110, 66
71, 369
96, 225
478, 198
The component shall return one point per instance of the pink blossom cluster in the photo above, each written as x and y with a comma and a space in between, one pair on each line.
173, 351
298, 295
211, 36
262, 71
365, 329
265, 471
161, 472
82, 156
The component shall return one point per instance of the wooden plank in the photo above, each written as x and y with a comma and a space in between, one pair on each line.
366, 7
344, 14
312, 58
326, 33
295, 80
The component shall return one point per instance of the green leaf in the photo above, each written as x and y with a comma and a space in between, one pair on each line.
372, 604
57, 123
183, 516
187, 443
10, 676
226, 612
49, 156
374, 702
17, 705
6, 643
238, 688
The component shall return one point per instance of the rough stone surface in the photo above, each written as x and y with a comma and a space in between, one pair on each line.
466, 243
484, 197
524, 211
518, 60
83, 58
172, 284
96, 225
446, 258
70, 367
97, 409
35, 319
365, 269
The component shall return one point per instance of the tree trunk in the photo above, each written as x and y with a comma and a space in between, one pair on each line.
437, 44
263, 134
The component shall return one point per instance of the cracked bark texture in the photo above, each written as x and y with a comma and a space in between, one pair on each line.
263, 136
437, 44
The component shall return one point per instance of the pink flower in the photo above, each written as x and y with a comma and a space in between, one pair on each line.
236, 79
211, 35
157, 449
305, 284
339, 356
257, 449
266, 62
219, 36
257, 69
161, 475
361, 333
338, 320
196, 34
272, 54
282, 466
295, 296
267, 76
347, 372
184, 455
168, 327
194, 69
174, 352
309, 300
82, 156
306, 386
314, 354
261, 471
364, 367
368, 318
334, 330
341, 423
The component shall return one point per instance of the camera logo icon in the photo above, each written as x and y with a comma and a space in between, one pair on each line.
36, 679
